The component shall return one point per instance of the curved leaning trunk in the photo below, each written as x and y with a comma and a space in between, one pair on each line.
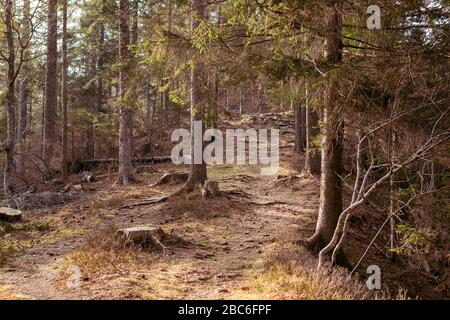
330, 206
332, 140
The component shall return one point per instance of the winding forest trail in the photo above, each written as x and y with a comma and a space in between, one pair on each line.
227, 242
226, 239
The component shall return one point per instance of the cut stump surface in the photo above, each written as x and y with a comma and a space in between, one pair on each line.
10, 215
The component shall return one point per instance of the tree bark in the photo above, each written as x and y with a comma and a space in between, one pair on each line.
126, 172
50, 86
148, 104
64, 91
135, 22
300, 130
89, 142
197, 173
99, 62
10, 113
331, 164
302, 127
24, 92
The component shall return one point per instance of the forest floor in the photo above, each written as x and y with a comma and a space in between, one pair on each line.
225, 248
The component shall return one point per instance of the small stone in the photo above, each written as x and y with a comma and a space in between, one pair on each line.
77, 187
10, 215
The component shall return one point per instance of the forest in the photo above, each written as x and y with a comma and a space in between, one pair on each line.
225, 149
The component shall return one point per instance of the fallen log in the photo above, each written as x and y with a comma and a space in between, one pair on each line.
85, 165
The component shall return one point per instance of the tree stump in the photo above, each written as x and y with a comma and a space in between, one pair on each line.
210, 189
145, 236
10, 215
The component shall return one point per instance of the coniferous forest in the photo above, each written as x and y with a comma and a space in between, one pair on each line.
225, 149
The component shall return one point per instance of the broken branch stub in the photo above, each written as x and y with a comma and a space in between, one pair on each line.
210, 189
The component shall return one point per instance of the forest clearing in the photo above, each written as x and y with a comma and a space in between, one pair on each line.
225, 150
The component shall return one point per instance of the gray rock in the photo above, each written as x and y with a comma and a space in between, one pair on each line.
88, 177
9, 214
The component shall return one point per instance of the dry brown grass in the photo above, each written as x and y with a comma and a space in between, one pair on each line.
116, 200
193, 206
290, 272
103, 252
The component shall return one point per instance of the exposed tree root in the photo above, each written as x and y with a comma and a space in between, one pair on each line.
283, 181
236, 194
269, 203
145, 202
173, 177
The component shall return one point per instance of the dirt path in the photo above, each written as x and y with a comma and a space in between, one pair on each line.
34, 275
228, 239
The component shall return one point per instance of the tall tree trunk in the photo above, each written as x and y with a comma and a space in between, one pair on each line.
64, 91
126, 172
10, 113
197, 173
100, 59
391, 137
24, 92
89, 138
302, 127
135, 21
215, 102
300, 132
148, 104
332, 138
312, 161
30, 119
216, 81
50, 86
42, 121
166, 105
